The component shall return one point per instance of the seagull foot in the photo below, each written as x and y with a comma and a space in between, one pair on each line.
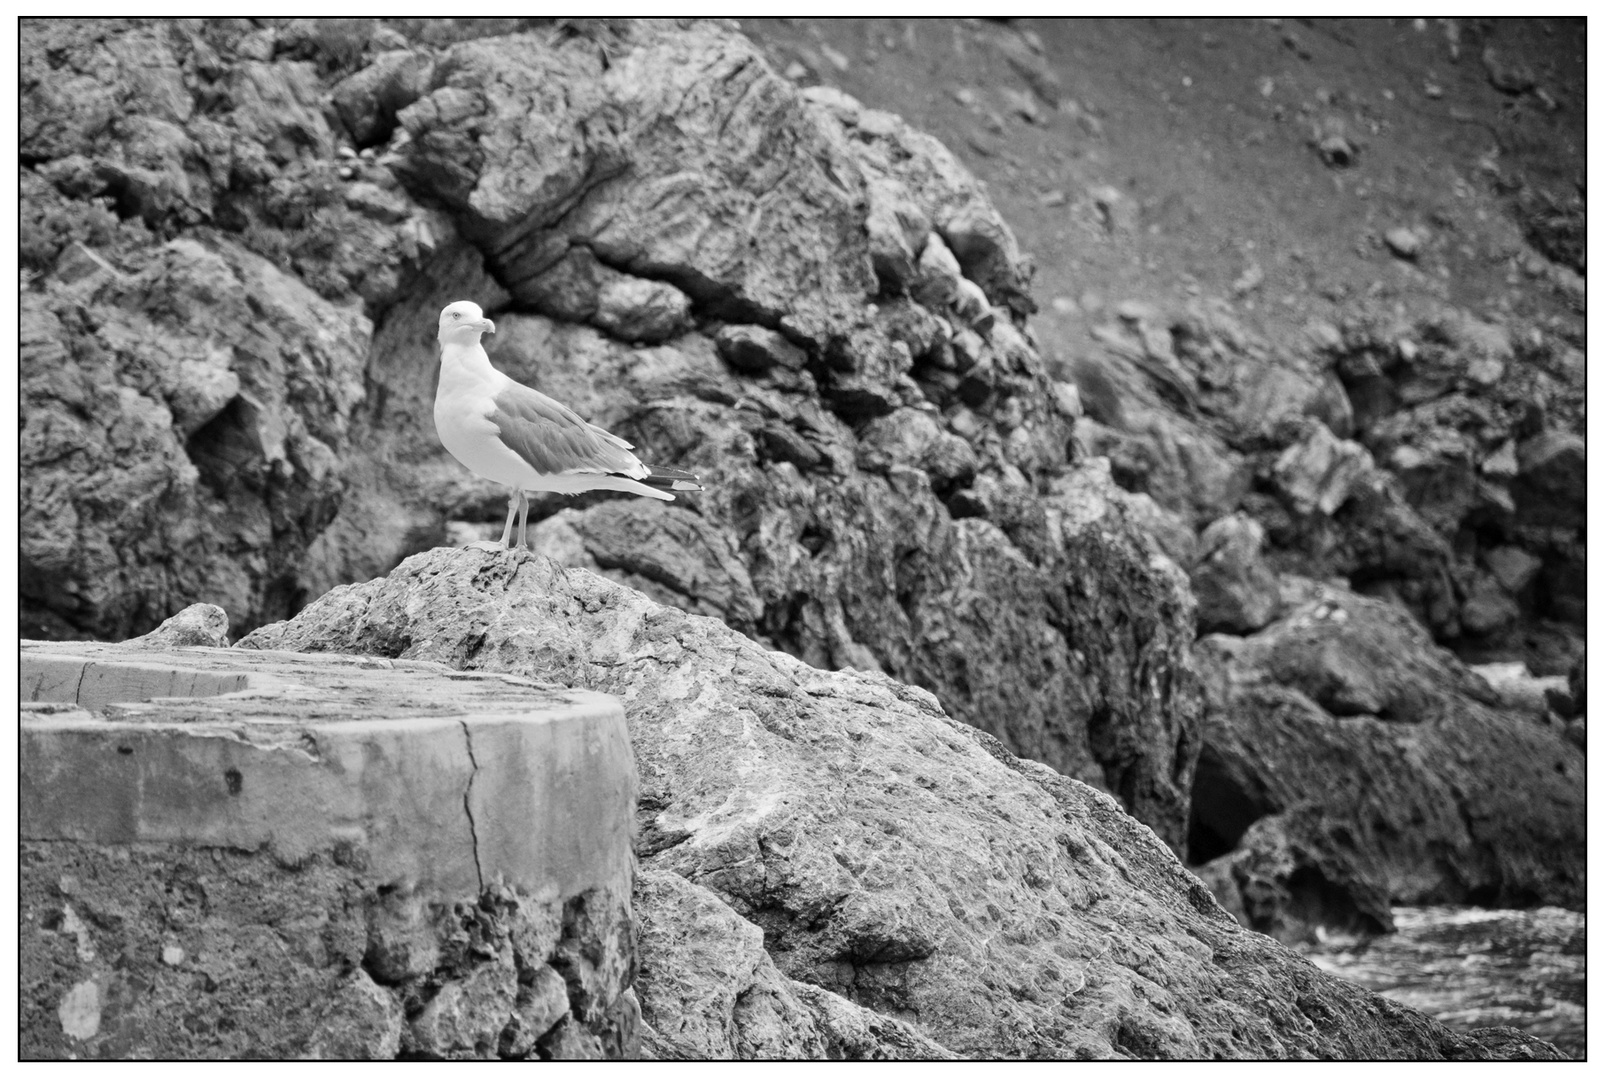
485, 545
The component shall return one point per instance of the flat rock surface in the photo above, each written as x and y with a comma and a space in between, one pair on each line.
432, 774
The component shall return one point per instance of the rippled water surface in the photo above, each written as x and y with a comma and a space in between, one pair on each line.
1474, 967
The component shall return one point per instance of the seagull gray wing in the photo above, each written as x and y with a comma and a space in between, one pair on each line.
553, 439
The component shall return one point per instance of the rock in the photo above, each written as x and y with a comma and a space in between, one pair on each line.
1550, 487
1336, 150
1505, 75
1290, 877
198, 624
1317, 473
639, 310
1518, 689
478, 150
465, 1018
712, 993
1029, 65
1403, 242
280, 107
937, 284
1237, 592
1118, 214
1023, 105
361, 1022
889, 854
1399, 776
754, 349
679, 558
1489, 607
369, 100
143, 484
897, 229
540, 1005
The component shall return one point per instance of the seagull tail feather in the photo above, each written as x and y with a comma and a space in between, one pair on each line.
659, 476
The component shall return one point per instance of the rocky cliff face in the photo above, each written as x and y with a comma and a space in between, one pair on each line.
236, 237
808, 302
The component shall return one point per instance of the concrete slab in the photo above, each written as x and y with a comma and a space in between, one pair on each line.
237, 853
431, 777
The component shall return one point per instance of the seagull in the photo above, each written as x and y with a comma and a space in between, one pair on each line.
506, 432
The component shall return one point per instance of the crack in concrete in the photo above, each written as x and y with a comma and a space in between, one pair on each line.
78, 687
468, 806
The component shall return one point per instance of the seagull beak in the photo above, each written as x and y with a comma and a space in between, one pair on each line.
487, 326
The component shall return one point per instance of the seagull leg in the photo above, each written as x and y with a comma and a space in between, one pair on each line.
523, 518
512, 507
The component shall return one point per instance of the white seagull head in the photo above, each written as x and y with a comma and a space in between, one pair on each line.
462, 322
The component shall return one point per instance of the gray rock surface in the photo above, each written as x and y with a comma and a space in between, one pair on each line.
889, 854
1349, 764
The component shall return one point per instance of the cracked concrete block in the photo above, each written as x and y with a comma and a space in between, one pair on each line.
270, 855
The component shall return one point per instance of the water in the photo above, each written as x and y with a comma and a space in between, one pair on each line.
1475, 967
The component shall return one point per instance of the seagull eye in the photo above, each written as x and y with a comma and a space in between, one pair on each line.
456, 314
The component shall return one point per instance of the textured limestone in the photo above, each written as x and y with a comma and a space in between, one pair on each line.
1354, 765
888, 854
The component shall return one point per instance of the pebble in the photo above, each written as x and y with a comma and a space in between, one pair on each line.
1251, 279
1405, 243
172, 955
1055, 197
1336, 150
1023, 104
1136, 311
964, 96
1432, 90
796, 71
838, 60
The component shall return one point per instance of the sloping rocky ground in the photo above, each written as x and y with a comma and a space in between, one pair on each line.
236, 236
913, 881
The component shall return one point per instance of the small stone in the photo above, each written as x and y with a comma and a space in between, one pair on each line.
172, 955
1506, 76
796, 71
1136, 311
79, 1011
964, 96
1056, 197
1336, 151
198, 624
1063, 305
1403, 242
1513, 567
1502, 462
1118, 213
1432, 90
1023, 104
1067, 396
837, 59
1249, 280
756, 349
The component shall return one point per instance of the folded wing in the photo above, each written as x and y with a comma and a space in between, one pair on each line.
553, 439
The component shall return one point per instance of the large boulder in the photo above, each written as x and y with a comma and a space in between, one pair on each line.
887, 853
182, 434
1349, 764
